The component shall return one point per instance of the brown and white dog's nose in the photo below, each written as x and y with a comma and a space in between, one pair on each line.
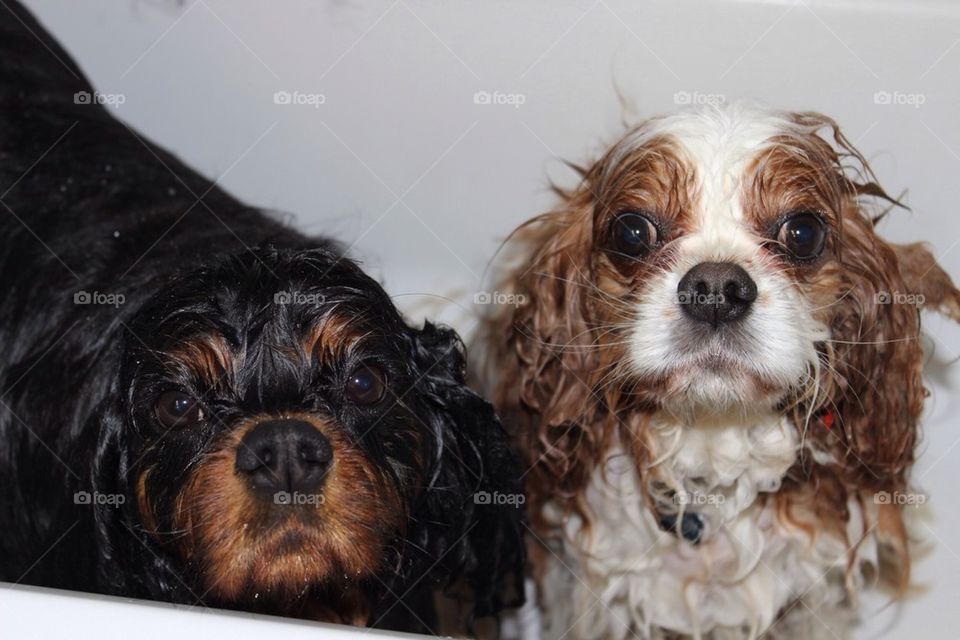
716, 292
284, 455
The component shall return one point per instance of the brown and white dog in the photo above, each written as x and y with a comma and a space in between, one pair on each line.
715, 380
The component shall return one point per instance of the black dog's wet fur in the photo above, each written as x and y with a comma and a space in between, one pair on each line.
90, 209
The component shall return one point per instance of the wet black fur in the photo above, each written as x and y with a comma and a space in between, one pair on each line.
77, 381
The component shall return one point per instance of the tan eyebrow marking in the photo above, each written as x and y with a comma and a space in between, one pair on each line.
207, 357
654, 175
331, 336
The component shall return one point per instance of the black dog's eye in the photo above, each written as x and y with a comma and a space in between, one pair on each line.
632, 234
177, 409
366, 385
803, 234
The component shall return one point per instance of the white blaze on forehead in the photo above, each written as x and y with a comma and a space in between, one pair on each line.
720, 144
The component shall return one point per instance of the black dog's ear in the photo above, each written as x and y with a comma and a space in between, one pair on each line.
108, 474
122, 539
472, 510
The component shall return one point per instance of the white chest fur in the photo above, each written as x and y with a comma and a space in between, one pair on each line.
625, 577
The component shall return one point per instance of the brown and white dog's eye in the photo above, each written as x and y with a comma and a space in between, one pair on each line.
366, 385
632, 234
177, 409
803, 235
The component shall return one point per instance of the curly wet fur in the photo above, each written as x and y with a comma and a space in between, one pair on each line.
582, 382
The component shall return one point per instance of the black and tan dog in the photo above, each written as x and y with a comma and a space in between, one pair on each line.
201, 405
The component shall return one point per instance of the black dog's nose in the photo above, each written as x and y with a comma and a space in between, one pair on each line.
284, 455
716, 292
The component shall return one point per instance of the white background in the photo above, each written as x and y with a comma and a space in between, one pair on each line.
401, 161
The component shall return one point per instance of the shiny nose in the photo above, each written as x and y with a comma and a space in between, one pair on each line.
284, 455
716, 292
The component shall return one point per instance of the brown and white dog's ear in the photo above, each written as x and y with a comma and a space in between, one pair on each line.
874, 359
876, 348
926, 278
873, 388
932, 289
541, 355
875, 392
874, 355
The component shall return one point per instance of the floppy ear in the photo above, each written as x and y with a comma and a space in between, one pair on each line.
875, 360
872, 387
469, 518
122, 541
926, 278
541, 357
870, 296
107, 472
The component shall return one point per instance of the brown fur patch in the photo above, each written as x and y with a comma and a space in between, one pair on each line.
924, 277
330, 336
208, 358
653, 176
558, 353
871, 375
893, 546
796, 172
147, 515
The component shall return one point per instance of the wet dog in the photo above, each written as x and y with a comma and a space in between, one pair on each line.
201, 405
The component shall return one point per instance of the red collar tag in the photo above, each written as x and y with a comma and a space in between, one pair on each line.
828, 419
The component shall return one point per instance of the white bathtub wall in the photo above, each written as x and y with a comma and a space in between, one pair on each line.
32, 613
400, 159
